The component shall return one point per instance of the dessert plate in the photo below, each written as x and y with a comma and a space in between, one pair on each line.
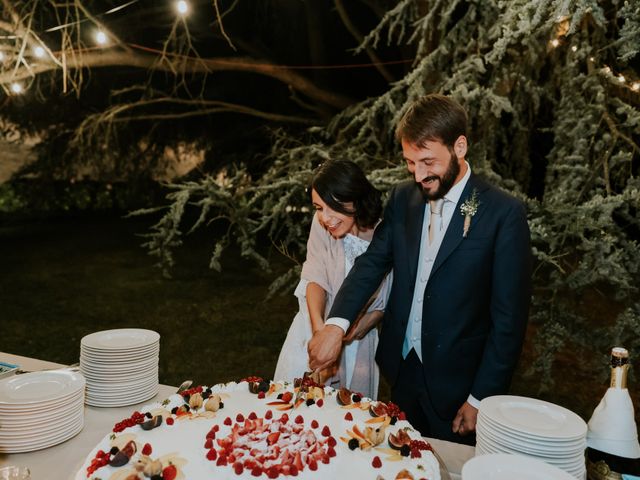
120, 339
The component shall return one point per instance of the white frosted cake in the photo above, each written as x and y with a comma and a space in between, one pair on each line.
256, 429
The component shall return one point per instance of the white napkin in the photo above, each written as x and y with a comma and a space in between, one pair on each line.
612, 428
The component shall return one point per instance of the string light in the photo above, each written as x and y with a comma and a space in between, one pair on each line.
101, 37
16, 88
636, 86
555, 42
621, 78
1, 56
38, 51
182, 7
574, 49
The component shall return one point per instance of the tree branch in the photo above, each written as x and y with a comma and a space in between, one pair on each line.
178, 64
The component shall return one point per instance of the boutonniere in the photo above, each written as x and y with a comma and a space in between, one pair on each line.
468, 209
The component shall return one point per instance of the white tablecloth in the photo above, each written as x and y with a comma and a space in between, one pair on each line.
63, 461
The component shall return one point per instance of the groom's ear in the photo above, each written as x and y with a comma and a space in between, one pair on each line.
460, 147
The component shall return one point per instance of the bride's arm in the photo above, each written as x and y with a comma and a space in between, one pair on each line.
316, 301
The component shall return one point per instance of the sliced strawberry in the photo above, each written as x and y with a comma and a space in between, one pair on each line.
314, 424
348, 416
287, 397
273, 472
325, 431
268, 415
297, 461
273, 438
319, 402
331, 441
299, 419
239, 418
208, 443
227, 421
377, 463
331, 452
146, 450
293, 471
313, 465
222, 461
237, 467
284, 418
252, 416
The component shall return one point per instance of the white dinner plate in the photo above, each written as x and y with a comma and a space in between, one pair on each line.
533, 417
39, 416
497, 429
46, 443
122, 402
39, 387
118, 375
38, 431
510, 467
120, 339
565, 463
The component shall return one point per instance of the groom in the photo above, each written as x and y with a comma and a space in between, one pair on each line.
456, 317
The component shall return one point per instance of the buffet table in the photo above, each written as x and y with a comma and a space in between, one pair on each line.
61, 462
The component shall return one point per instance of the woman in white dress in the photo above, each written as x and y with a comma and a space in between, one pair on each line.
347, 209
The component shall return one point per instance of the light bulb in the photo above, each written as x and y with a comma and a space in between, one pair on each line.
636, 86
38, 51
16, 88
101, 37
621, 78
555, 42
183, 7
574, 49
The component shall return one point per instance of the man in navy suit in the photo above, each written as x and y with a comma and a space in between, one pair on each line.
461, 258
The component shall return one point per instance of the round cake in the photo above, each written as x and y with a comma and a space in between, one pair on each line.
257, 429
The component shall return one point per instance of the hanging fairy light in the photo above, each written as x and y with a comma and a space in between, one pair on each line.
182, 6
101, 37
38, 51
635, 86
555, 42
16, 88
574, 49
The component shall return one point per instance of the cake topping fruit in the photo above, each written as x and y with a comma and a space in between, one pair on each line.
124, 454
195, 401
344, 396
399, 439
377, 463
213, 403
153, 423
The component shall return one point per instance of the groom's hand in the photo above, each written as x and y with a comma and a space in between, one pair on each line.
324, 347
465, 421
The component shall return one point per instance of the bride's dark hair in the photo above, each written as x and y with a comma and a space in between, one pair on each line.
342, 181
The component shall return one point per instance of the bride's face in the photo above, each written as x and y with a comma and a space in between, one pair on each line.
336, 223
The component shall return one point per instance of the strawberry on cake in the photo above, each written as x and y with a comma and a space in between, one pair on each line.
256, 429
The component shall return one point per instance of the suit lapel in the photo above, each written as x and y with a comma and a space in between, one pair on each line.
415, 218
453, 235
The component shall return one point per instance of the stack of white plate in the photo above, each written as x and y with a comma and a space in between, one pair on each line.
121, 366
535, 428
502, 466
40, 409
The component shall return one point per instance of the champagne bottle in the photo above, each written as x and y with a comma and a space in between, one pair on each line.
612, 439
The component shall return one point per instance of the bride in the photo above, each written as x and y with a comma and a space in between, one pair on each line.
347, 209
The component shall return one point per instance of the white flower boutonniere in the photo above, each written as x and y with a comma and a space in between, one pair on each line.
468, 209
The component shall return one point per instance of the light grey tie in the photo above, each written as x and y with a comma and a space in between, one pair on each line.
435, 223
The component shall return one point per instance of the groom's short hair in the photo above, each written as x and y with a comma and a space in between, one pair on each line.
435, 118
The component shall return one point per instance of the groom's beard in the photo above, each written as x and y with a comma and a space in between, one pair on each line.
445, 182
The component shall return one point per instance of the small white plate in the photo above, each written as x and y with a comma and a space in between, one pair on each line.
120, 339
500, 466
39, 387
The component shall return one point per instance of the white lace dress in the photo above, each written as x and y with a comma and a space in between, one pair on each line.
328, 262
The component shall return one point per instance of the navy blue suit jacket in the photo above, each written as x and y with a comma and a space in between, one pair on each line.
476, 301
